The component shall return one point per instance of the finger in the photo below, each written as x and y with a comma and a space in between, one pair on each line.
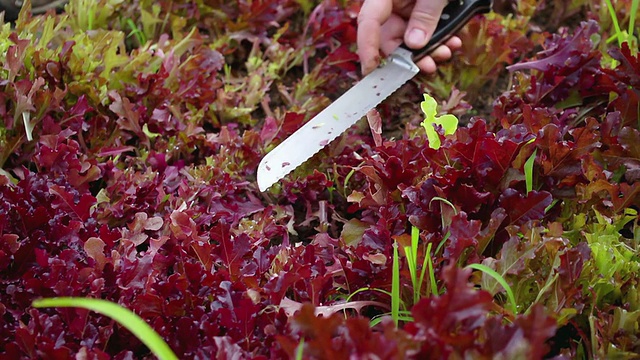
372, 15
423, 21
427, 65
445, 52
391, 34
454, 43
441, 53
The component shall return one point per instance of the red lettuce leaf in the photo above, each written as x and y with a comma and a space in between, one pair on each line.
448, 324
522, 208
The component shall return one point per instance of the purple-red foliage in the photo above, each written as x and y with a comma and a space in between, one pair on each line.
479, 173
144, 195
566, 68
457, 323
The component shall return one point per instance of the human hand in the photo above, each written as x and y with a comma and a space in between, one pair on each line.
384, 24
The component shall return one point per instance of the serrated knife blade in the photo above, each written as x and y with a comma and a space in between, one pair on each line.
394, 71
336, 118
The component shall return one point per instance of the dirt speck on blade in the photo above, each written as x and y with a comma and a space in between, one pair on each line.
324, 142
285, 163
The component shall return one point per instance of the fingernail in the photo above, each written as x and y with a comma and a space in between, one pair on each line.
416, 37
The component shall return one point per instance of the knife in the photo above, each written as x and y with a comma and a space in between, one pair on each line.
394, 71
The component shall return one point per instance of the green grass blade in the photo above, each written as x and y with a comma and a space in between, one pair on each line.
300, 350
489, 271
426, 264
92, 16
402, 316
632, 17
442, 242
132, 322
427, 258
415, 237
553, 203
368, 289
614, 19
432, 279
375, 321
528, 171
135, 31
438, 198
346, 180
442, 217
395, 285
413, 263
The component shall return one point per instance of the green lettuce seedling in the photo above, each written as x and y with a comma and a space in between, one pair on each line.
448, 122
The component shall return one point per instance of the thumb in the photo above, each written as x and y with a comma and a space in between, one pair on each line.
423, 21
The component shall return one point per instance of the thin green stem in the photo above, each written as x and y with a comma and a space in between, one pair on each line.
132, 322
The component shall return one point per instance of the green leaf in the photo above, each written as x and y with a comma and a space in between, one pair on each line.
613, 259
151, 22
125, 317
150, 134
448, 122
306, 5
352, 232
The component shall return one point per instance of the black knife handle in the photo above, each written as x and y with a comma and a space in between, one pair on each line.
454, 16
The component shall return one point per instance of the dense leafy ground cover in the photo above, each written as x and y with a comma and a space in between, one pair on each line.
129, 140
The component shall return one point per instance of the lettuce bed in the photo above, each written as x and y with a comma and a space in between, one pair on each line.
129, 140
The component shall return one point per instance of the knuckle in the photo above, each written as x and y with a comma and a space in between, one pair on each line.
425, 16
403, 7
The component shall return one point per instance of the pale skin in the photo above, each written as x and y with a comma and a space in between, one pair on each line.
384, 24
